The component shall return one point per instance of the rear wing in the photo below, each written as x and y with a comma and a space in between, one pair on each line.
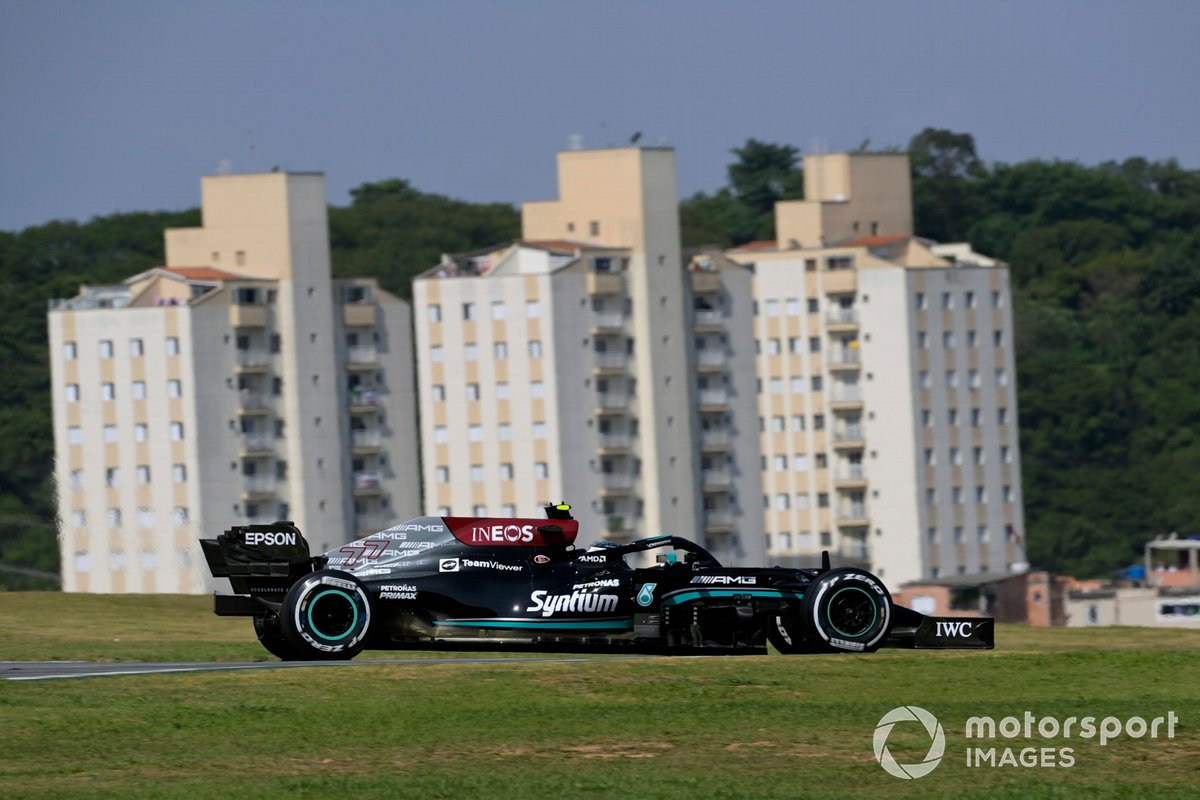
262, 561
914, 630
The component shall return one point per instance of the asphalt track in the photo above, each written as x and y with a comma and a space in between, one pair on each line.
58, 670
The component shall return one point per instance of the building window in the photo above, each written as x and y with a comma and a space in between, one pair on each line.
437, 354
76, 478
776, 385
1001, 377
819, 423
438, 393
70, 351
499, 310
535, 348
772, 308
139, 390
797, 385
923, 379
472, 391
926, 417
971, 339
177, 431
179, 473
506, 471
777, 424
931, 535
106, 348
143, 474
930, 496
822, 500
537, 390
952, 416
948, 340
500, 350
79, 518
922, 340
533, 309
442, 474
772, 347
594, 227
113, 517
981, 534
997, 338
476, 473
792, 306
779, 462
796, 345
977, 456
817, 383
146, 517
179, 515
135, 348
813, 305
1005, 456
951, 378
782, 502
929, 457
441, 434
502, 392
541, 470
175, 388
468, 310
947, 301
1002, 416
504, 432
539, 430
997, 300
919, 301
474, 433
72, 393
955, 457
140, 432
435, 313
973, 378
112, 477
471, 352
839, 263
797, 422
172, 345
110, 434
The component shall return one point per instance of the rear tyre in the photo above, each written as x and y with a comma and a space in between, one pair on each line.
270, 635
327, 616
846, 610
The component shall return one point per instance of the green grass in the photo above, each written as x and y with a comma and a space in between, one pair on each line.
768, 727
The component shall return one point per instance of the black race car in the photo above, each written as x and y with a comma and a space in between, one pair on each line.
445, 582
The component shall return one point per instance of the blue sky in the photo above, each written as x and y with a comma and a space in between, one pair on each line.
123, 105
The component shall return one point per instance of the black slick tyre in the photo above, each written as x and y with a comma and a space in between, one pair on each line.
845, 610
327, 616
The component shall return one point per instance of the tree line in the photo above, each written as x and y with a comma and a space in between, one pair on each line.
1105, 264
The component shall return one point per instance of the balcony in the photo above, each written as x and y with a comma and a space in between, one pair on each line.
844, 360
362, 357
247, 316
710, 360
363, 400
716, 480
845, 397
366, 484
252, 361
604, 283
714, 439
358, 315
708, 319
252, 403
848, 437
852, 515
257, 445
842, 319
612, 363
258, 487
713, 399
850, 476
365, 441
718, 522
613, 443
607, 322
615, 483
612, 403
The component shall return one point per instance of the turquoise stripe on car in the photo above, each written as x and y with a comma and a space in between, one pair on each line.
617, 624
695, 594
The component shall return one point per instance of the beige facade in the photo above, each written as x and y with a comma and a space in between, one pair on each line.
584, 363
239, 383
886, 384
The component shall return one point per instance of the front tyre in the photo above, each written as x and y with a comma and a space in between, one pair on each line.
327, 616
846, 610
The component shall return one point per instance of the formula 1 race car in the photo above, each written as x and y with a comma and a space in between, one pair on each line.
446, 582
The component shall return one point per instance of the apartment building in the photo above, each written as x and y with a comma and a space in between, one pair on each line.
589, 362
238, 383
886, 384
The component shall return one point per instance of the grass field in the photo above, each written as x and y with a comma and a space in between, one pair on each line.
768, 727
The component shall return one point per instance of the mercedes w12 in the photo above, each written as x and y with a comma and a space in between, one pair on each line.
447, 582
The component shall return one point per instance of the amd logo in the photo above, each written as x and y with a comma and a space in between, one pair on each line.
273, 539
960, 630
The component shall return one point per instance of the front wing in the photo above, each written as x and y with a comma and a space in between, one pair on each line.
912, 629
